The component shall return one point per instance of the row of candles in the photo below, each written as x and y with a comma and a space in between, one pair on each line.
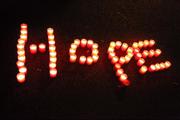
83, 59
22, 70
140, 57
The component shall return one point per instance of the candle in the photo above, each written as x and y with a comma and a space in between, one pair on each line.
95, 46
42, 47
135, 45
140, 62
138, 56
51, 37
20, 46
146, 43
112, 44
52, 65
89, 60
53, 59
118, 44
114, 59
122, 60
83, 42
53, 72
167, 64
157, 66
111, 55
130, 50
89, 43
20, 77
23, 26
23, 70
152, 68
123, 78
77, 42
19, 64
82, 59
52, 48
95, 58
157, 52
72, 58
151, 43
117, 66
95, 51
72, 51
50, 31
124, 46
21, 52
52, 54
33, 48
110, 49
22, 58
145, 53
119, 72
74, 46
151, 53
143, 69
140, 44
51, 42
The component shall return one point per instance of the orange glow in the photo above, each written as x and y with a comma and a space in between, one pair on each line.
72, 51
135, 45
143, 69
23, 26
73, 58
124, 80
129, 50
162, 66
127, 58
140, 44
33, 48
95, 46
20, 46
21, 42
52, 48
21, 52
167, 64
51, 42
138, 56
22, 58
53, 72
42, 47
52, 54
114, 59
140, 62
111, 55
145, 53
110, 49
89, 60
74, 46
82, 59
157, 66
20, 77
51, 37
23, 31
23, 37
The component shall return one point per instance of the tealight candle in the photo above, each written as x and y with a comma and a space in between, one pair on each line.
114, 59
152, 68
72, 58
119, 72
151, 53
111, 55
95, 58
122, 60
140, 62
89, 43
124, 46
151, 43
53, 72
157, 52
42, 47
19, 64
33, 48
118, 44
117, 66
77, 41
143, 69
23, 70
123, 79
83, 42
20, 77
89, 60
146, 43
82, 59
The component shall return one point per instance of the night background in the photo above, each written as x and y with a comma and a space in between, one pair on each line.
90, 92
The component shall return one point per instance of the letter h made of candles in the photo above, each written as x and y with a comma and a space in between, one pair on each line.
21, 57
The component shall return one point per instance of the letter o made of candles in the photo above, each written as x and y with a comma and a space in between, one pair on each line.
83, 59
119, 61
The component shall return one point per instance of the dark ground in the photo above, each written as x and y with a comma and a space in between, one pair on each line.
90, 92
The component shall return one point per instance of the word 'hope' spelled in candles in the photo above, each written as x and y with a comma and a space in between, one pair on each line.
135, 51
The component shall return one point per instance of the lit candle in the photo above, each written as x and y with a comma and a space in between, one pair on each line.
130, 50
53, 59
145, 53
33, 48
74, 46
52, 54
83, 42
22, 58
51, 42
151, 53
72, 58
119, 72
117, 66
138, 56
111, 55
42, 47
157, 66
124, 80
151, 43
157, 52
112, 44
89, 60
124, 46
110, 49
95, 51
89, 43
143, 69
146, 43
95, 58
52, 48
72, 51
95, 46
20, 77
21, 52
140, 62
135, 45
127, 58
23, 70
21, 42
50, 31
19, 64
162, 66
82, 59
152, 68
167, 64
23, 37
140, 44
23, 26
53, 72
122, 60
20, 46
77, 42
52, 65
51, 37
114, 59
118, 44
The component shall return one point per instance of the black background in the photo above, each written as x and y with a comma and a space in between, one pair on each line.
90, 92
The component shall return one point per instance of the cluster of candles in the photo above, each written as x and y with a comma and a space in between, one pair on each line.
134, 50
22, 70
131, 51
83, 59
